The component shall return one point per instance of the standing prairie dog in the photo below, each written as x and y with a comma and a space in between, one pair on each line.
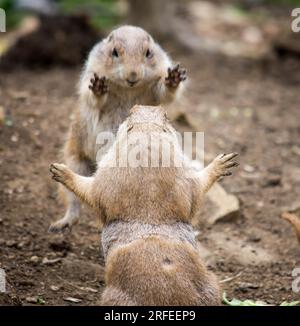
124, 69
148, 242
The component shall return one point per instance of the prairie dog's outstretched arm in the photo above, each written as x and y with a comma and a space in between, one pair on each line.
203, 180
79, 185
219, 167
93, 85
170, 87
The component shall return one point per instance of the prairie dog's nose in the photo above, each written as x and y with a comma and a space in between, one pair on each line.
132, 76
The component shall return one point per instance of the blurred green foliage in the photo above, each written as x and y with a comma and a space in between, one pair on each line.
12, 16
294, 3
104, 13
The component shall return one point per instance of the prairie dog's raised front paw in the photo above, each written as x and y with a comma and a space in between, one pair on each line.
99, 86
222, 163
60, 172
175, 76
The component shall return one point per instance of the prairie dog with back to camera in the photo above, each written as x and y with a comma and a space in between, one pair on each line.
149, 244
126, 68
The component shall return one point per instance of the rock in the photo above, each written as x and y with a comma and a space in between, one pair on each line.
248, 168
31, 300
14, 138
73, 300
54, 288
295, 149
35, 259
223, 206
11, 243
21, 245
54, 261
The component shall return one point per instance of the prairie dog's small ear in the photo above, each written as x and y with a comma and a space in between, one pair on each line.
150, 39
110, 37
129, 126
166, 118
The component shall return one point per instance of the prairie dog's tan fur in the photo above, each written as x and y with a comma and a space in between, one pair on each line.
151, 254
125, 69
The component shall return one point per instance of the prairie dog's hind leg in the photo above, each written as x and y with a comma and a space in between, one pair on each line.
73, 203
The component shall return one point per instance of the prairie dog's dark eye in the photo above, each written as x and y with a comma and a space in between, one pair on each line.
149, 54
115, 53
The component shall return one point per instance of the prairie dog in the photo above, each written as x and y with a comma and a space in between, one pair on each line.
148, 241
126, 68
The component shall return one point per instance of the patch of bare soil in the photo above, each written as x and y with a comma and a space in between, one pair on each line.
241, 106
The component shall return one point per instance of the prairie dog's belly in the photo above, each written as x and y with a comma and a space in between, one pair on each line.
101, 129
100, 123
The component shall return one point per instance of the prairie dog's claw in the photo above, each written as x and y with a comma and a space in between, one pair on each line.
176, 75
99, 86
223, 162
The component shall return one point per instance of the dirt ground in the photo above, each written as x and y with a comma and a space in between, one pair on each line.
251, 108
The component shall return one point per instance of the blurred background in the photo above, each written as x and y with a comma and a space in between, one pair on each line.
243, 62
250, 29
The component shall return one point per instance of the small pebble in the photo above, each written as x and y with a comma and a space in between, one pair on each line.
248, 168
73, 300
54, 288
34, 259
